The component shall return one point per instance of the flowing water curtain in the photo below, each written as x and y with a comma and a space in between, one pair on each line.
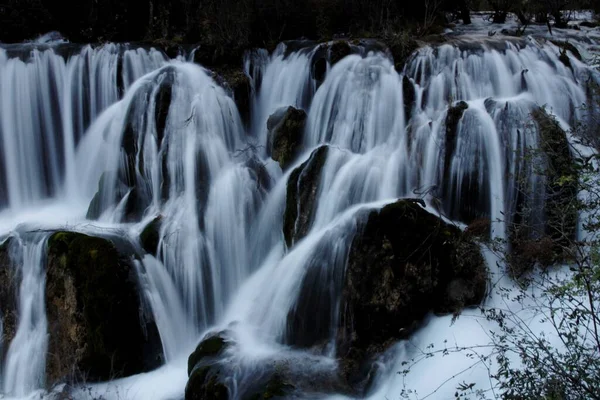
24, 365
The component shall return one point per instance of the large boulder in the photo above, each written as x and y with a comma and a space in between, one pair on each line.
302, 189
415, 263
286, 128
94, 310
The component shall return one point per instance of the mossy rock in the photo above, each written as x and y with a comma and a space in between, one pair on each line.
416, 264
93, 309
302, 190
150, 236
286, 129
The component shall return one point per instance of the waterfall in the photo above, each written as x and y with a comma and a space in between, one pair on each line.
111, 140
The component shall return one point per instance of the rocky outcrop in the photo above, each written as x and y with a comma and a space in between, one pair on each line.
286, 128
94, 312
302, 190
415, 263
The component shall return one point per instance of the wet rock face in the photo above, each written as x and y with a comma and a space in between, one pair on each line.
93, 310
8, 296
286, 128
415, 263
302, 190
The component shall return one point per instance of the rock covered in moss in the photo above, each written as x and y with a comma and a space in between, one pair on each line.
415, 263
286, 128
94, 312
302, 190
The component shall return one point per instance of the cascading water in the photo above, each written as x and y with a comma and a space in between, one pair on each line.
24, 364
124, 137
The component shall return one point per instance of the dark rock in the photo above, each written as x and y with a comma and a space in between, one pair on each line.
401, 47
204, 384
410, 97
214, 373
8, 295
161, 111
453, 117
205, 373
319, 70
302, 189
339, 50
286, 128
590, 24
93, 308
212, 346
150, 236
415, 263
275, 388
238, 84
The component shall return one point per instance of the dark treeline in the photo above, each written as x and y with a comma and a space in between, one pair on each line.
236, 24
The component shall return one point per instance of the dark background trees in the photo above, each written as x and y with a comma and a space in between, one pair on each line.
231, 24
